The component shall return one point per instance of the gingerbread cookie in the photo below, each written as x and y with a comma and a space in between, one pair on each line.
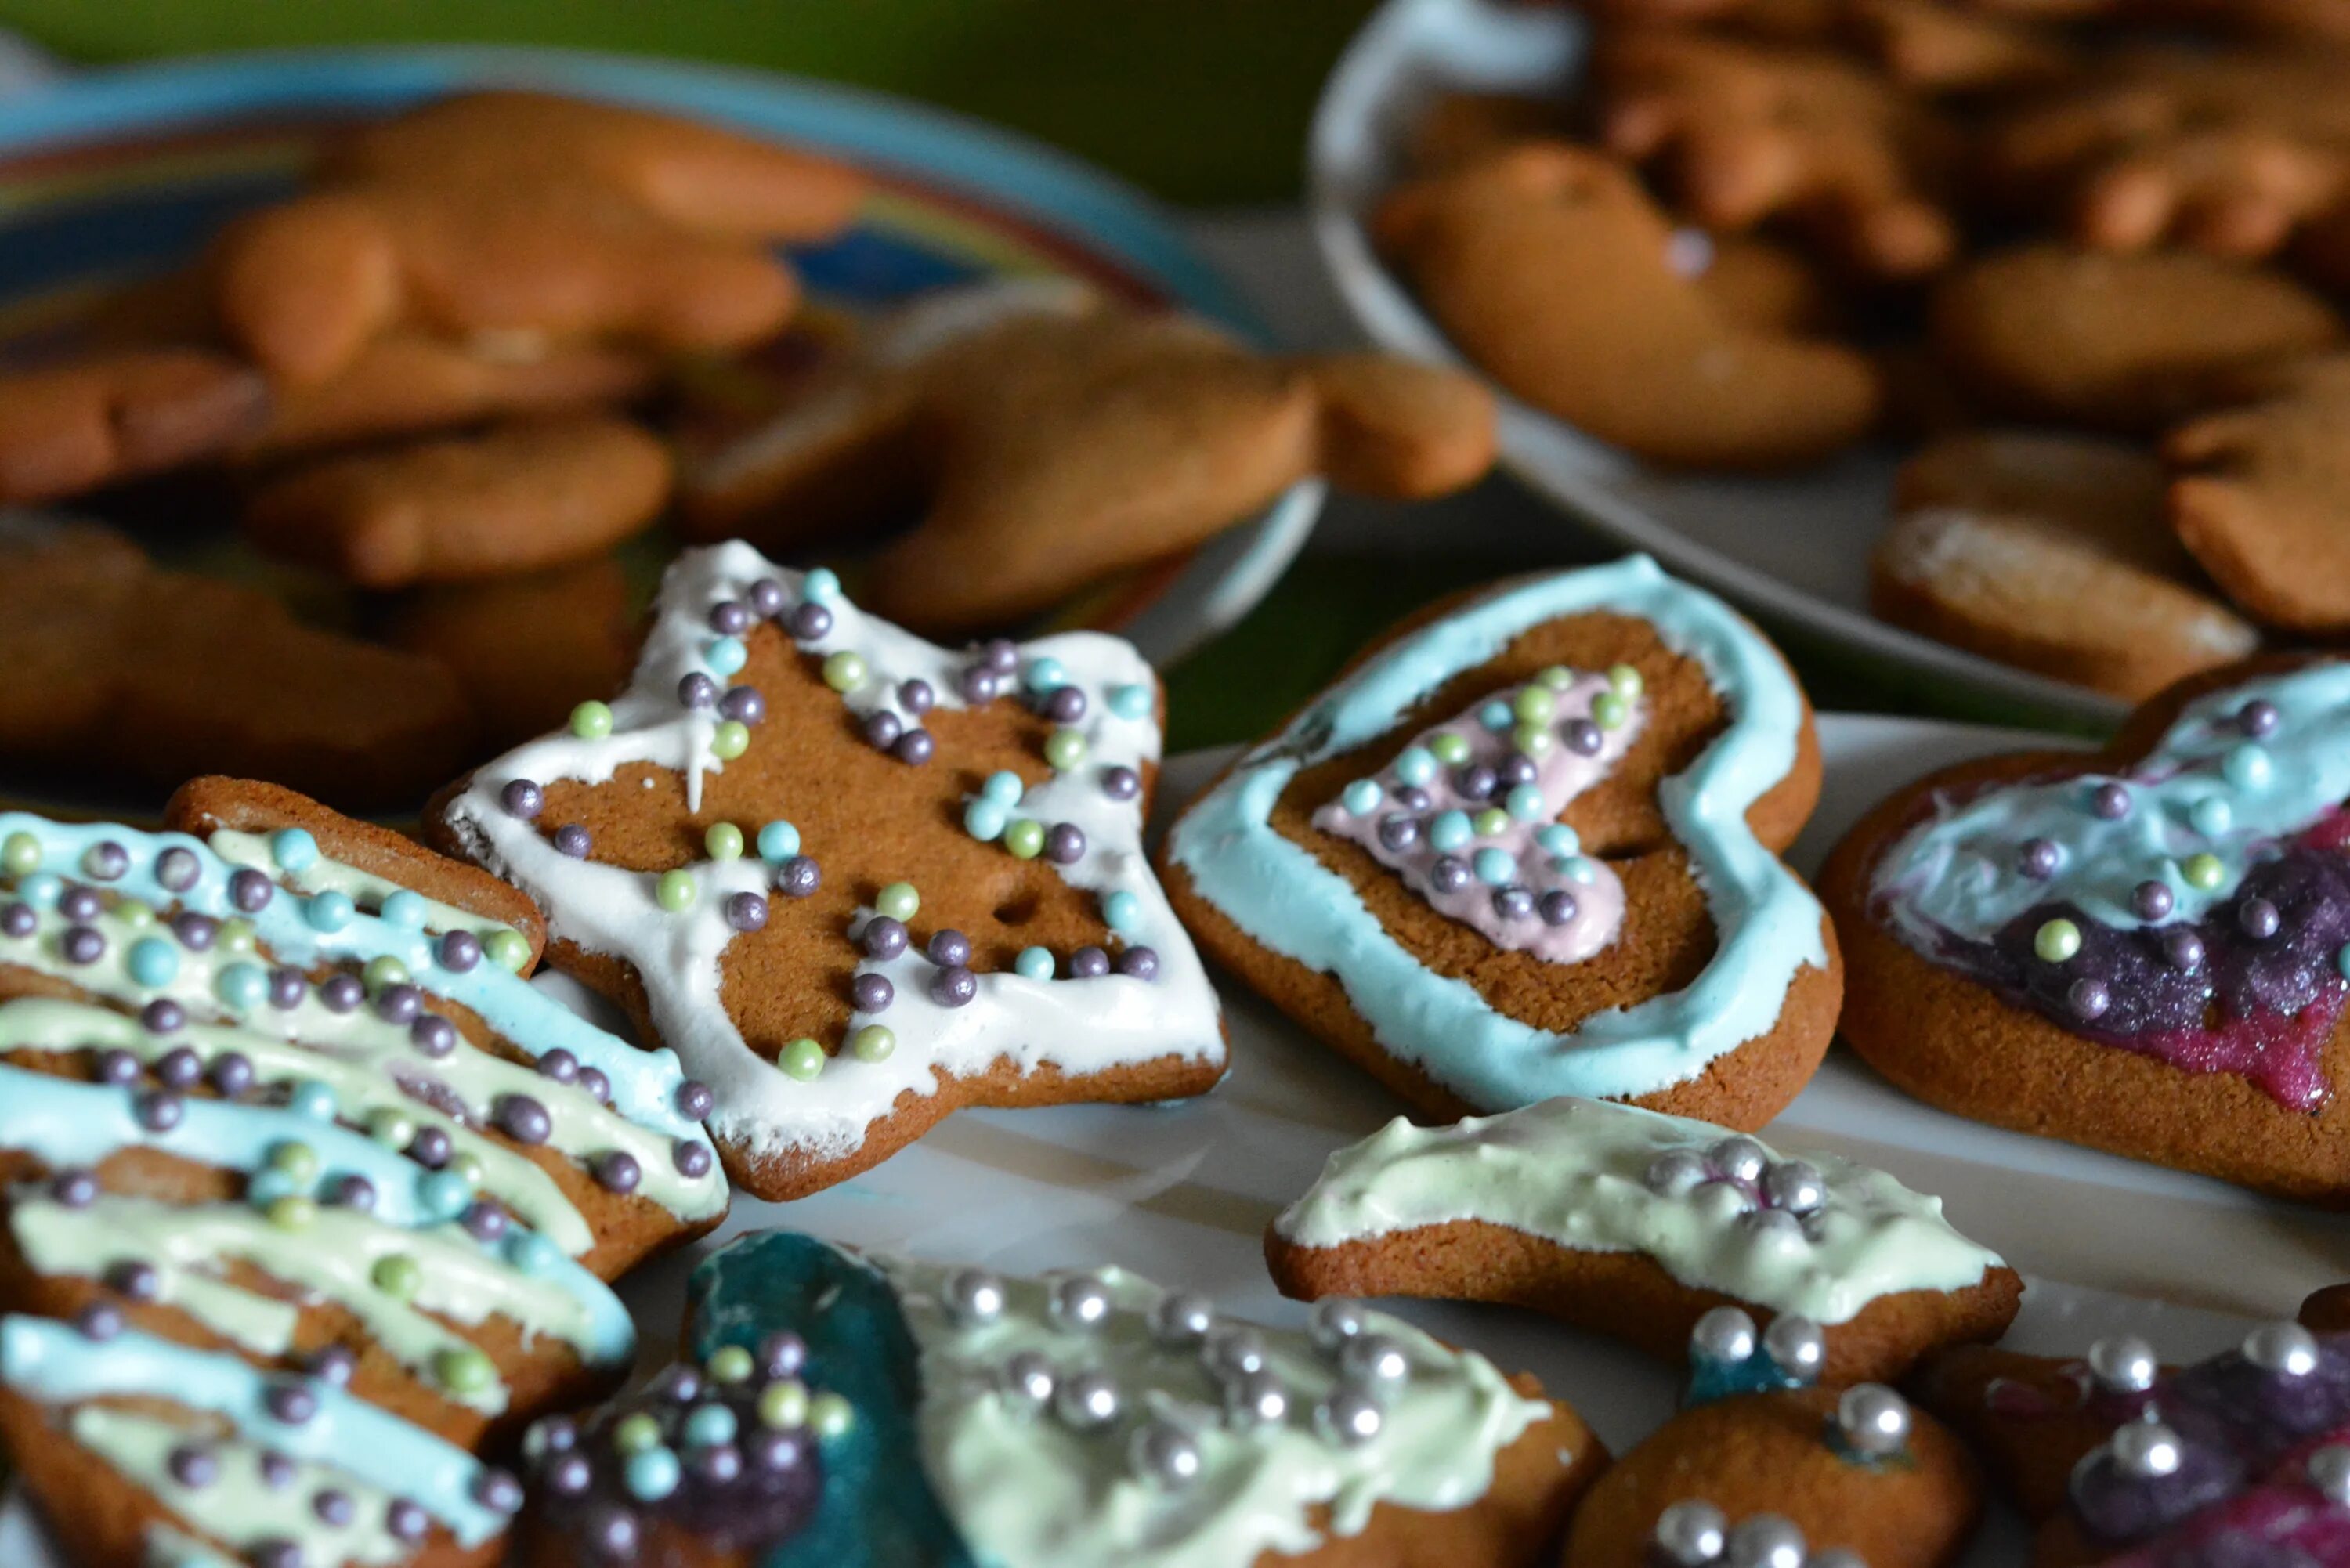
2256, 495
2241, 1458
2113, 342
526, 649
514, 499
849, 876
307, 1175
2050, 553
1527, 846
89, 421
1044, 437
2138, 950
123, 670
1555, 273
514, 213
1637, 1225
955, 1416
1924, 44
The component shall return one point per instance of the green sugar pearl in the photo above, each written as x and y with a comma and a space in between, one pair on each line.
899, 900
1608, 711
1064, 749
292, 1212
381, 973
591, 721
801, 1059
724, 841
783, 1404
873, 1043
1535, 705
1450, 748
730, 740
844, 671
2203, 872
829, 1414
386, 1125
398, 1275
1490, 822
729, 1363
2056, 940
1624, 681
297, 1161
635, 1434
1025, 838
463, 1369
508, 949
676, 891
20, 854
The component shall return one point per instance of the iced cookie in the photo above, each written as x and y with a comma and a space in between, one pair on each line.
2112, 341
2051, 552
1637, 1225
857, 880
77, 426
882, 1409
1043, 436
295, 1145
1528, 847
2140, 950
2241, 1458
1555, 272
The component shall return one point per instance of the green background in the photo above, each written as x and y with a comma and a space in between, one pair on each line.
1199, 100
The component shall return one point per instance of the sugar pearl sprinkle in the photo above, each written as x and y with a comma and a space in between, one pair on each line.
1072, 803
1694, 1533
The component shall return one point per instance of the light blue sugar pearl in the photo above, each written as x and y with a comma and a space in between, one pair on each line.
404, 909
1130, 701
1575, 868
1496, 867
531, 1252
985, 820
444, 1194
293, 849
1525, 803
329, 910
313, 1099
2247, 766
243, 986
1363, 797
152, 963
1450, 831
778, 841
651, 1474
1122, 911
1498, 715
726, 654
2211, 816
1034, 963
42, 890
1003, 787
1559, 839
709, 1426
1043, 674
821, 585
1415, 766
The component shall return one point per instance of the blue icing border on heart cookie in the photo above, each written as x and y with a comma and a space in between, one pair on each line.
878, 1509
1768, 922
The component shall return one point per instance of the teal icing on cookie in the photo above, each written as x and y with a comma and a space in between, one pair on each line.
2207, 789
1821, 1238
317, 873
1767, 923
53, 1364
879, 1509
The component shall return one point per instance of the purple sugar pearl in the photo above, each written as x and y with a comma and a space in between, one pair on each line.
432, 1035
1064, 704
2089, 997
1089, 962
916, 697
595, 1085
135, 1282
332, 1363
1583, 737
334, 1507
558, 1066
567, 1475
2184, 949
767, 598
342, 992
162, 1015
782, 1354
81, 904
1513, 903
1411, 797
525, 1119
746, 911
406, 1521
99, 1321
954, 986
798, 877
1450, 874
485, 1221
118, 1067
459, 952
743, 703
729, 618
571, 839
106, 860
915, 747
277, 1552
250, 891
18, 920
1000, 655
159, 1112
871, 992
497, 1492
1065, 844
692, 1157
180, 1068
82, 944
1121, 783
352, 1191
2259, 918
775, 1451
1139, 963
1399, 832
192, 1468
2152, 901
287, 987
883, 938
523, 798
717, 1465
290, 1403
74, 1188
1516, 769
2109, 801
980, 685
678, 1385
399, 1003
809, 621
2259, 717
277, 1472
1556, 907
612, 1530
430, 1147
2038, 858
232, 1073
618, 1171
698, 691
177, 869
1476, 782
882, 729
949, 947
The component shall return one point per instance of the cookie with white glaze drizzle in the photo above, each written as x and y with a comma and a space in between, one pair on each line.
310, 1190
857, 880
1528, 846
841, 1411
2141, 949
1638, 1225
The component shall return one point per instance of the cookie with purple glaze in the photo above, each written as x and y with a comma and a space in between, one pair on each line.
2144, 950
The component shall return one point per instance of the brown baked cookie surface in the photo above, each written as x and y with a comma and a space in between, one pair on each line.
1557, 274
852, 879
1527, 846
2138, 950
310, 1191
76, 426
527, 649
1637, 1225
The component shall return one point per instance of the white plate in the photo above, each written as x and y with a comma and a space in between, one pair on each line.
1794, 550
1183, 1193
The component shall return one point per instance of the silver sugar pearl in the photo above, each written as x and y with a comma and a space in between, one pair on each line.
1795, 1186
2147, 1450
1739, 1158
1255, 1399
1690, 1533
1335, 1321
1181, 1319
1796, 1345
1088, 1400
2285, 1348
1375, 1364
1725, 1334
1348, 1416
2124, 1363
1027, 1380
1874, 1420
1080, 1303
2329, 1472
973, 1296
1232, 1350
1763, 1541
1675, 1172
1165, 1454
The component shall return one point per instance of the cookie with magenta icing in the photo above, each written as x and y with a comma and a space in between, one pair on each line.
302, 1167
1528, 846
2243, 1457
844, 1409
854, 880
1639, 1225
2139, 949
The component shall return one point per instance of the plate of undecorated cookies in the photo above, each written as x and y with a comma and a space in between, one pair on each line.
1988, 345
349, 402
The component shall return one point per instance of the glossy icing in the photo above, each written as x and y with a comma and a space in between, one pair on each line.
1767, 922
1080, 1028
1578, 1172
365, 889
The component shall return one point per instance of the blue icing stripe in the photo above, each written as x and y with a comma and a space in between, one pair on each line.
644, 1083
879, 1509
1960, 870
67, 1122
52, 1363
1767, 921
